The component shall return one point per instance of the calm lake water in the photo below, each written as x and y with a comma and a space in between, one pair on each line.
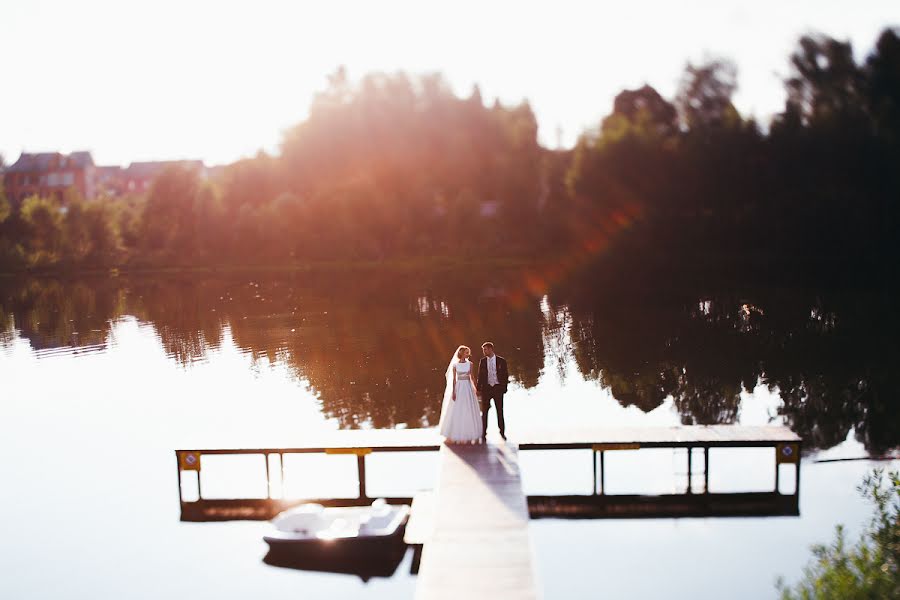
101, 379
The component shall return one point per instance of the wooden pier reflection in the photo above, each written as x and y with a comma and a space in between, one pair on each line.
599, 504
470, 534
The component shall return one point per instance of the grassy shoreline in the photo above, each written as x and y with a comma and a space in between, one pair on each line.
405, 264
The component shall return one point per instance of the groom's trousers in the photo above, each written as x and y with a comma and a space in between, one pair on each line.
495, 393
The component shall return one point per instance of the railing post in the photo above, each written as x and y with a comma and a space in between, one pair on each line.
602, 475
705, 469
594, 458
361, 472
281, 465
777, 471
689, 491
178, 471
268, 478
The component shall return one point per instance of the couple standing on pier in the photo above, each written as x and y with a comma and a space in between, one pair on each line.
462, 420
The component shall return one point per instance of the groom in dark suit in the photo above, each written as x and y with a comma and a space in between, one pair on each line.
493, 376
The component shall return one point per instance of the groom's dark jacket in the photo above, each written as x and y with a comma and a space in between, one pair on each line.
502, 374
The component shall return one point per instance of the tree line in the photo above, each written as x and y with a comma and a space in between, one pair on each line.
397, 166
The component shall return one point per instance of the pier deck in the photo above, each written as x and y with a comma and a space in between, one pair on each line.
479, 546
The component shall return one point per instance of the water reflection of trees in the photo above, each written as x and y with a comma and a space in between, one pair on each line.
52, 313
183, 312
836, 373
373, 346
830, 357
377, 356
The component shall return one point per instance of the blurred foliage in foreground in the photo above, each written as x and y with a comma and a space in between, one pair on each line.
866, 570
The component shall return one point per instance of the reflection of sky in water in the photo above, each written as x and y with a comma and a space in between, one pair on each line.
697, 558
90, 504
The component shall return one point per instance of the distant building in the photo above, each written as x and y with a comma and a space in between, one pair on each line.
109, 180
139, 175
49, 174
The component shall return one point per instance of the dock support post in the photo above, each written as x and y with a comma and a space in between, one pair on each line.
361, 473
268, 477
689, 451
602, 475
416, 559
777, 473
705, 469
178, 472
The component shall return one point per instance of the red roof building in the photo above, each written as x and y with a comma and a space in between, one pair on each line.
49, 174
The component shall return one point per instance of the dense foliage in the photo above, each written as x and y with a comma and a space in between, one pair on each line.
868, 569
693, 183
399, 166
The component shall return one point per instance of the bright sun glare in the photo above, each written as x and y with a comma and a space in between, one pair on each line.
217, 81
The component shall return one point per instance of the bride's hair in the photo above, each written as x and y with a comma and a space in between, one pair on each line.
460, 352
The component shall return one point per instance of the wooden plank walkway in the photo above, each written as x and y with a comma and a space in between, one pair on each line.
420, 525
479, 547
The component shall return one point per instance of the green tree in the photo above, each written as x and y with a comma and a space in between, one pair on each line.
826, 87
705, 93
90, 236
397, 165
883, 85
5, 208
43, 221
868, 569
11, 251
178, 208
641, 112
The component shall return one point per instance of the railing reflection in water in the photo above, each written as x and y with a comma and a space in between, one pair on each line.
257, 484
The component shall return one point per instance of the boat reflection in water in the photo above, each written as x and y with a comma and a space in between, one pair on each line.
362, 540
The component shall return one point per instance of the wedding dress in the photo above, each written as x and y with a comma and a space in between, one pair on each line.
460, 418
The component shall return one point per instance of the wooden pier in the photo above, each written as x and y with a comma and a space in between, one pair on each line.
471, 532
479, 545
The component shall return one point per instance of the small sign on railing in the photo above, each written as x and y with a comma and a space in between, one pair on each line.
189, 460
787, 453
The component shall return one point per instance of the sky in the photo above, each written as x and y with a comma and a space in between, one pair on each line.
220, 80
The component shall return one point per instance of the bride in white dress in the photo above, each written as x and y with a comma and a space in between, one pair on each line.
460, 413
